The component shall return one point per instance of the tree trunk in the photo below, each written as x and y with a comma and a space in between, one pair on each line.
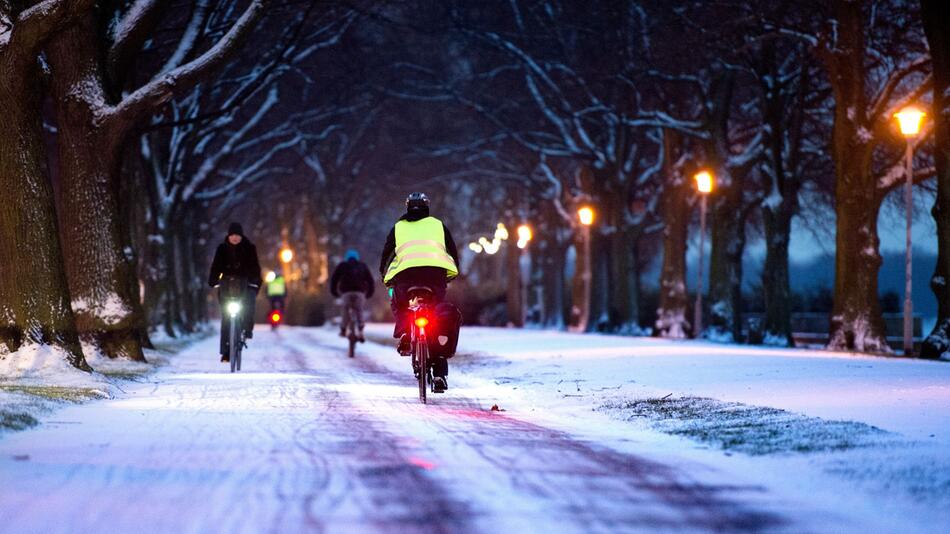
671, 319
856, 322
34, 296
777, 327
936, 17
514, 294
600, 285
99, 259
727, 243
619, 263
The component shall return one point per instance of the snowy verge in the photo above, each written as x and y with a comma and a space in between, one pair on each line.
754, 430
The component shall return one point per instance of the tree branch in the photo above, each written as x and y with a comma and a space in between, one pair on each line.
158, 91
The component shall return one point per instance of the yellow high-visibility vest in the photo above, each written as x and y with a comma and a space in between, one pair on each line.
421, 244
277, 288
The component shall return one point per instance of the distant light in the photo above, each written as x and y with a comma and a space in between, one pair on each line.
275, 317
475, 247
524, 233
422, 322
286, 255
271, 276
910, 119
501, 232
704, 182
233, 308
586, 215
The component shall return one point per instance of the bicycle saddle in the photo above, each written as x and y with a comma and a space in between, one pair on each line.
420, 291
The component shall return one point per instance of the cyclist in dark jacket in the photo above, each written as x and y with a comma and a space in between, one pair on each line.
353, 283
236, 258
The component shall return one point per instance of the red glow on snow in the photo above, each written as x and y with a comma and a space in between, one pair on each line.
419, 462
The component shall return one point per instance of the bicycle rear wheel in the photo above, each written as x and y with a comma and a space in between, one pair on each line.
422, 350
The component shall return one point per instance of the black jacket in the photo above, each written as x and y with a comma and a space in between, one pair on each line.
389, 249
351, 276
236, 260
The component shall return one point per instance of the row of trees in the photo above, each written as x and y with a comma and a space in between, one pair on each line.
618, 104
127, 120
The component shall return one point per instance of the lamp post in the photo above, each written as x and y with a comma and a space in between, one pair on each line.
704, 184
524, 237
585, 215
909, 120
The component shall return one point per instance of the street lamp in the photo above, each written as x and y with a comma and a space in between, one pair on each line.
909, 119
585, 215
704, 184
286, 255
524, 235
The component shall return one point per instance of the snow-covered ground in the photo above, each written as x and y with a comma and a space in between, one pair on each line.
596, 434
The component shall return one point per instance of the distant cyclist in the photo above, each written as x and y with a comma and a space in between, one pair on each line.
353, 282
276, 290
419, 251
236, 258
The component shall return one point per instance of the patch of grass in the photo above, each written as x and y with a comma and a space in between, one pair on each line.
16, 420
56, 393
753, 430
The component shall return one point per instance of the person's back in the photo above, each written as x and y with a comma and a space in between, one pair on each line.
419, 251
353, 283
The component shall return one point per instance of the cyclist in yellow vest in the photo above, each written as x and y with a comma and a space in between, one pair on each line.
419, 251
276, 290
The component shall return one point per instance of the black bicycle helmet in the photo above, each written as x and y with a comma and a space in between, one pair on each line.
416, 201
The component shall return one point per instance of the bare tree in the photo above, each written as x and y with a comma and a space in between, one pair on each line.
95, 121
34, 297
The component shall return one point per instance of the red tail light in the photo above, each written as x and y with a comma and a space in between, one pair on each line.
275, 317
422, 322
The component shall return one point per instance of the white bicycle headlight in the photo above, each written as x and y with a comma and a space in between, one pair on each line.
234, 308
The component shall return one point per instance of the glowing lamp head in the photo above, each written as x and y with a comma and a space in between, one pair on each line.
275, 317
233, 308
524, 233
704, 182
909, 119
586, 215
286, 255
271, 276
422, 322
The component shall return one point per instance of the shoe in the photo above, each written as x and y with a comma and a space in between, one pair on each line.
225, 358
405, 346
248, 334
343, 332
439, 384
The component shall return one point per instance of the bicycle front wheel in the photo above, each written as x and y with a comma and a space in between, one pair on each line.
233, 345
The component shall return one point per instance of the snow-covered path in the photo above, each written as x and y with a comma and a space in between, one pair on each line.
308, 440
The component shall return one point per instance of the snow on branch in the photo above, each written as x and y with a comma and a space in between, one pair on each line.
162, 88
36, 23
187, 42
211, 163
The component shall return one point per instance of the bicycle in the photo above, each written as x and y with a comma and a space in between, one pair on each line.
233, 291
419, 343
